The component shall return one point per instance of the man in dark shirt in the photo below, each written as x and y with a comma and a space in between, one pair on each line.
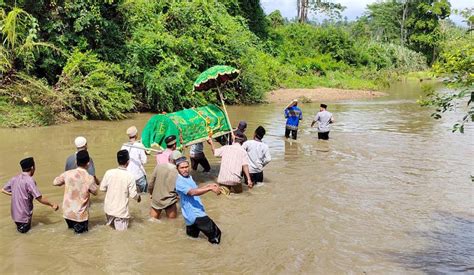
81, 144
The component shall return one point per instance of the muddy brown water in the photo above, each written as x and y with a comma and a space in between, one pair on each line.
389, 193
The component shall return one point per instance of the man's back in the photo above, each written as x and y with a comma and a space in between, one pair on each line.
293, 115
71, 164
233, 158
324, 120
120, 186
24, 190
163, 183
258, 155
137, 159
78, 184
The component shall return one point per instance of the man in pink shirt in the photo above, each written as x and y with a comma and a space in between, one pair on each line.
234, 161
170, 147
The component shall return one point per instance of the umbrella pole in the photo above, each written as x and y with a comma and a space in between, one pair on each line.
226, 114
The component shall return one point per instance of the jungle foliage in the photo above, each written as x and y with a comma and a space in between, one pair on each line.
101, 59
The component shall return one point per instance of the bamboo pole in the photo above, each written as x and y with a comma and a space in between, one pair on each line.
225, 111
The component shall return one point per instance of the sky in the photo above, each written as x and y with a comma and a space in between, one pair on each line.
353, 9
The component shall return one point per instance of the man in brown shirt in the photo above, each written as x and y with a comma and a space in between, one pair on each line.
162, 188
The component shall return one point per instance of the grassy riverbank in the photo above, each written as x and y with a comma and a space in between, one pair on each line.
106, 59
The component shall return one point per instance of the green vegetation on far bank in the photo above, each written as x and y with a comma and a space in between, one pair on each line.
99, 60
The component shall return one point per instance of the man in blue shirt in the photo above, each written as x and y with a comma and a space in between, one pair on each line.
192, 209
293, 115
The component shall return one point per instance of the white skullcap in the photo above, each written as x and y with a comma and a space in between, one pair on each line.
80, 142
132, 131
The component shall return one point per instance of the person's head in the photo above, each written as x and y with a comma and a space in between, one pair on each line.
123, 157
28, 165
295, 102
259, 132
323, 107
239, 139
81, 143
170, 142
132, 132
82, 159
182, 165
174, 156
242, 126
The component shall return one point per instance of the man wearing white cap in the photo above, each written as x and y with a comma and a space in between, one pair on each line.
81, 144
138, 158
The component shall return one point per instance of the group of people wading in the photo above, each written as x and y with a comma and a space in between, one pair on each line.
242, 160
169, 182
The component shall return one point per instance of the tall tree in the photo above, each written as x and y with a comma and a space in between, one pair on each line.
326, 7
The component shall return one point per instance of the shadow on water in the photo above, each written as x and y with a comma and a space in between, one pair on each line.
450, 249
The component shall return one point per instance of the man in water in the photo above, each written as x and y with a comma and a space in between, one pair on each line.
324, 119
22, 188
234, 161
197, 156
293, 115
120, 185
170, 147
78, 185
192, 208
138, 158
259, 155
162, 187
240, 131
81, 145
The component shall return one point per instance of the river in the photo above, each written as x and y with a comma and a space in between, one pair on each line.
389, 193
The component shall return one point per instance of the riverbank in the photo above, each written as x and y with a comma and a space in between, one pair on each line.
319, 94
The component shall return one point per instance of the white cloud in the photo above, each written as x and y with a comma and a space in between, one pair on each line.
353, 8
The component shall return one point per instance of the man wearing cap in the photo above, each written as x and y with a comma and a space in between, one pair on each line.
120, 185
170, 147
162, 188
293, 115
259, 155
81, 144
23, 189
138, 158
78, 185
192, 208
324, 119
234, 161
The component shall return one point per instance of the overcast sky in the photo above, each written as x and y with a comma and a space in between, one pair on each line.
353, 8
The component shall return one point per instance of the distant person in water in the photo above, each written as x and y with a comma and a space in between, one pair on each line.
81, 145
78, 185
170, 147
23, 189
192, 208
240, 130
119, 183
293, 115
258, 153
324, 119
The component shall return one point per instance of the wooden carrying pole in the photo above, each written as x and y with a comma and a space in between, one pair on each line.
225, 111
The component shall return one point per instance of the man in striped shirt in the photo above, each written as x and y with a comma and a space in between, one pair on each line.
234, 161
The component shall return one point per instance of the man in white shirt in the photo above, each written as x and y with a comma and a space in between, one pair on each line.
258, 153
324, 118
138, 158
120, 186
